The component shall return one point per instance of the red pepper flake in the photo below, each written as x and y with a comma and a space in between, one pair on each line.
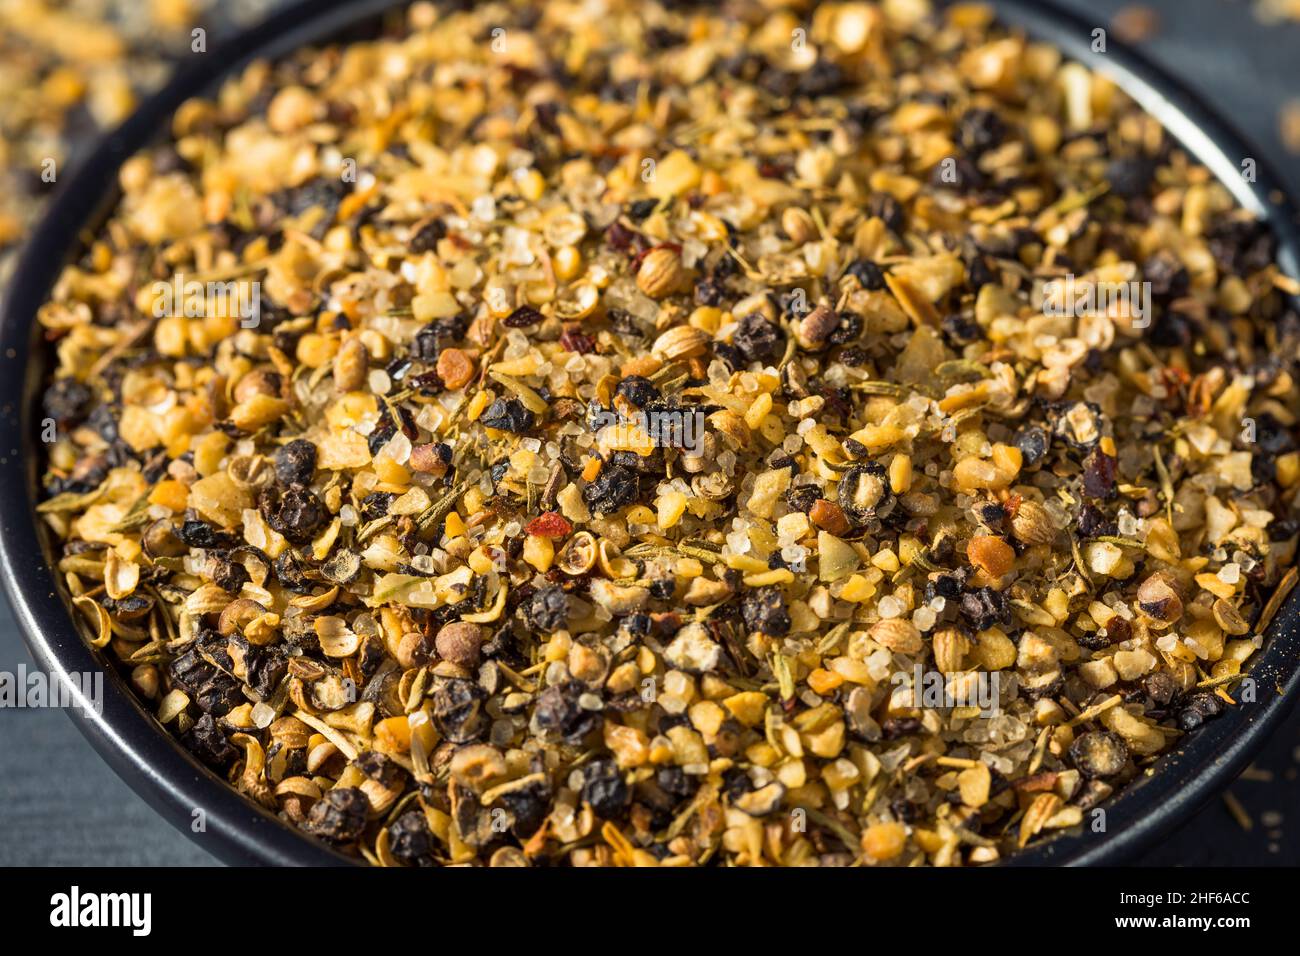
1038, 783
1100, 472
552, 524
1174, 377
620, 237
523, 317
573, 340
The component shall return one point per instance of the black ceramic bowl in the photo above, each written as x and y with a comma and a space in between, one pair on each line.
175, 784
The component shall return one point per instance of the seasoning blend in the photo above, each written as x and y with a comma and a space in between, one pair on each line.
808, 434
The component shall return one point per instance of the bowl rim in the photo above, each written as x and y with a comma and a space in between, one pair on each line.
240, 832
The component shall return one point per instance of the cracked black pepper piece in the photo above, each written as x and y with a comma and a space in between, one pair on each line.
1131, 176
375, 505
339, 816
1168, 276
211, 689
758, 339
886, 208
637, 390
289, 572
457, 706
295, 463
896, 727
410, 840
558, 712
764, 610
1241, 244
979, 130
652, 464
992, 515
527, 802
984, 607
1078, 424
1197, 709
1099, 753
66, 399
676, 782
641, 208
614, 487
1092, 522
868, 273
604, 788
864, 493
265, 668
549, 609
711, 291
944, 585
1161, 688
230, 576
437, 335
961, 330
206, 741
848, 330
426, 238
199, 534
508, 415
296, 512
380, 768
1034, 443
801, 498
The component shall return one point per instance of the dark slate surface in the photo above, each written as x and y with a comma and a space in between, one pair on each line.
59, 804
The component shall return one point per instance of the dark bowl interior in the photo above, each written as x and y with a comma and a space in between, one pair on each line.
238, 831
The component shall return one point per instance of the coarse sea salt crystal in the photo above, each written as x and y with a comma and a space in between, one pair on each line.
889, 607
429, 417
878, 664
517, 344
738, 542
263, 714
398, 448
923, 618
348, 516
1230, 574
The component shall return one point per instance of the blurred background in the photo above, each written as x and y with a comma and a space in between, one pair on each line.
71, 70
